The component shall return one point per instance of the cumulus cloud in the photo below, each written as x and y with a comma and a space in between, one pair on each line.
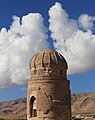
86, 22
17, 45
73, 38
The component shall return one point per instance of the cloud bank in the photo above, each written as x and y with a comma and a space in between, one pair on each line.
73, 38
17, 45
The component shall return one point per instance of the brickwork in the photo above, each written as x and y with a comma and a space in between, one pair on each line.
48, 96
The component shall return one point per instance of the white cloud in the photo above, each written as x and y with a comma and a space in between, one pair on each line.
61, 26
76, 45
27, 36
18, 45
86, 22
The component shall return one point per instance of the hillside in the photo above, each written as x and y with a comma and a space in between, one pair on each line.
82, 103
13, 109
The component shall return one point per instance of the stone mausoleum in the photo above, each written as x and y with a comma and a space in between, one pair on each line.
48, 96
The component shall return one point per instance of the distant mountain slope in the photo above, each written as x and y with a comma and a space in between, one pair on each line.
13, 109
82, 103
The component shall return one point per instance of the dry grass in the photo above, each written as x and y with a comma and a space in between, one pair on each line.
12, 117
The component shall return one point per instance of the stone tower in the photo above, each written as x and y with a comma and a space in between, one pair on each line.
48, 96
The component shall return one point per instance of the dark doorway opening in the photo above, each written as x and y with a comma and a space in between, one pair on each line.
33, 112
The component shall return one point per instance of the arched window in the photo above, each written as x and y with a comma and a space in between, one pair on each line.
61, 72
33, 111
35, 72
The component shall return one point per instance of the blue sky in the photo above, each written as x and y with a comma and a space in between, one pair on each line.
80, 82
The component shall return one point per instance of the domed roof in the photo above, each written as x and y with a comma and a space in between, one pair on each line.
47, 59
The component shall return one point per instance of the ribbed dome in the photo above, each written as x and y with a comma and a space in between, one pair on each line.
48, 63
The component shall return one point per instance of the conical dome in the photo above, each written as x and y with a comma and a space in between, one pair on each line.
48, 63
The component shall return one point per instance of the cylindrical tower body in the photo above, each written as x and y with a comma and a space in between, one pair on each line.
48, 95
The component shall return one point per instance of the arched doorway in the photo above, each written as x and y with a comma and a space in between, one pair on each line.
33, 111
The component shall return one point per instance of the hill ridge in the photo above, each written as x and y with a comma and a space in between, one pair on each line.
81, 103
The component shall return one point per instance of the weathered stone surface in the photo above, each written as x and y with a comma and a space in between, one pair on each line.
49, 86
43, 102
46, 62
